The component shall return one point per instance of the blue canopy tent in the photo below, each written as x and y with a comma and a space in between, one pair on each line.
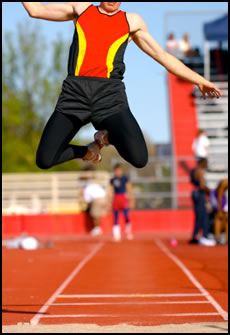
216, 30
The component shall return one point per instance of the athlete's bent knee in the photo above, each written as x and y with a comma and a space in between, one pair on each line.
43, 163
140, 165
140, 161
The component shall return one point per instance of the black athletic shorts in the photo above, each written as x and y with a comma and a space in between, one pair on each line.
92, 99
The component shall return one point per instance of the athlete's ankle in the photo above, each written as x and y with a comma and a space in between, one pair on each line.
106, 139
102, 138
93, 153
87, 155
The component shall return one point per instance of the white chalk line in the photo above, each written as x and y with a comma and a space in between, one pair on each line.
57, 294
191, 277
74, 273
131, 296
129, 303
125, 316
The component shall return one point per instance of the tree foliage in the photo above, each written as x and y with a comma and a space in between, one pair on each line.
32, 75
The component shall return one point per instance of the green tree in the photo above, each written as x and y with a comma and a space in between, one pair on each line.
31, 84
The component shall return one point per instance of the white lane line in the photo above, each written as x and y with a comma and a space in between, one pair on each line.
43, 309
189, 314
124, 315
103, 296
129, 303
195, 282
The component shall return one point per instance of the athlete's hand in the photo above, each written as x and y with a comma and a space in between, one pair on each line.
131, 203
211, 90
109, 207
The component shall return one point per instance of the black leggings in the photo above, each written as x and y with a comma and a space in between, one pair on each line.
124, 133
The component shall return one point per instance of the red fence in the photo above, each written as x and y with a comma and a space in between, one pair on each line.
184, 129
143, 221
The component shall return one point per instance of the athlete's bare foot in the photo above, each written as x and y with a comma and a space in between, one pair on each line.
93, 153
101, 138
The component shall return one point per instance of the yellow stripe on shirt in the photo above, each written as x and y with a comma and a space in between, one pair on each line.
82, 48
112, 53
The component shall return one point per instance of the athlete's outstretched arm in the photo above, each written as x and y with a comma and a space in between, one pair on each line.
143, 39
55, 11
51, 11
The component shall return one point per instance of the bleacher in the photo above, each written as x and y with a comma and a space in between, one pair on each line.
212, 116
51, 192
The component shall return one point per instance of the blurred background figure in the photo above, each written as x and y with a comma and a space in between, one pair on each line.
121, 195
184, 47
221, 217
172, 45
199, 202
200, 145
26, 242
94, 196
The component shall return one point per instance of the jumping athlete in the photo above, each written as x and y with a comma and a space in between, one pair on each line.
93, 90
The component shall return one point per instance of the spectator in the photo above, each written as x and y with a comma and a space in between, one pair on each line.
200, 145
199, 201
172, 45
197, 53
123, 200
221, 218
95, 197
185, 47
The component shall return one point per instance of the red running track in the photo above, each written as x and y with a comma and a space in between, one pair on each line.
139, 282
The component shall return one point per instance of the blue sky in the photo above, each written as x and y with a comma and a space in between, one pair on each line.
145, 79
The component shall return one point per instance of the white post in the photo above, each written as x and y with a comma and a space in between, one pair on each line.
207, 65
55, 197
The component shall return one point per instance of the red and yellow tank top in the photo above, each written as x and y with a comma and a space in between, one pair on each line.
99, 44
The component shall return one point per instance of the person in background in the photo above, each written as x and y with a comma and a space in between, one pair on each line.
221, 218
121, 195
200, 145
199, 201
172, 45
185, 47
94, 196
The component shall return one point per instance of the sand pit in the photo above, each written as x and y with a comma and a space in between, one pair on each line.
206, 327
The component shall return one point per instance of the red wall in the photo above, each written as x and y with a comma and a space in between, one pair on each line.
184, 127
143, 221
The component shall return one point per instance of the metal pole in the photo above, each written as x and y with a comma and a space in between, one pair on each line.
207, 65
173, 153
55, 195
